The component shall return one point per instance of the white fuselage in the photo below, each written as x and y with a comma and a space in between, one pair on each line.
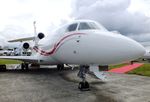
90, 47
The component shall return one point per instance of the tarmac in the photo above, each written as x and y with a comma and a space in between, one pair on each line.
51, 85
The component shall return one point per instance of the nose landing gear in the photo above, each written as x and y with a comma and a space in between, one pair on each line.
83, 85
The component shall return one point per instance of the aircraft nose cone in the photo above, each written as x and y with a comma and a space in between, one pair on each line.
137, 48
108, 48
134, 49
119, 49
140, 50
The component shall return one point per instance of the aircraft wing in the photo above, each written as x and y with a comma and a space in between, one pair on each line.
22, 39
29, 59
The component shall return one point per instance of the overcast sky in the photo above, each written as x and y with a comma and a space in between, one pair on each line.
129, 17
17, 16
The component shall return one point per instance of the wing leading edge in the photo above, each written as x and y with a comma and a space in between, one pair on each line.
22, 39
29, 59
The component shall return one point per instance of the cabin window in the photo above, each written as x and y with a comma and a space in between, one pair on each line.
72, 27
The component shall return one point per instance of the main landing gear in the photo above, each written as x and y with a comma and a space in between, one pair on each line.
60, 66
3, 67
25, 66
83, 85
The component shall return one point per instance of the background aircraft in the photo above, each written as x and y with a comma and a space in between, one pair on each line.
82, 42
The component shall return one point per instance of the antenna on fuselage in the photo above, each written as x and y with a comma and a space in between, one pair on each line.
35, 33
37, 36
34, 25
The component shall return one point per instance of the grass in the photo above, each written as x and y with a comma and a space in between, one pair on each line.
5, 61
117, 66
142, 70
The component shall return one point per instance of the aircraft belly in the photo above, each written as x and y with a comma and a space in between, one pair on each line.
48, 60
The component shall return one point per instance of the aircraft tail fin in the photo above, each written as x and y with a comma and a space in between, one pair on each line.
25, 45
38, 36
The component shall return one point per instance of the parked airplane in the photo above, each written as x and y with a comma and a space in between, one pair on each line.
146, 57
82, 42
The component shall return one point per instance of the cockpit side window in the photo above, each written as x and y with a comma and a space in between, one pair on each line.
72, 27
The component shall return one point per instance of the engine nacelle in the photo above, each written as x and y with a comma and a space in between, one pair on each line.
40, 35
26, 46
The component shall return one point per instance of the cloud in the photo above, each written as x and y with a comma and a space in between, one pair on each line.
119, 15
2, 41
114, 15
17, 16
140, 37
12, 32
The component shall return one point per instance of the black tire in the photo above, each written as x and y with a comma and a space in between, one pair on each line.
81, 86
26, 66
84, 86
2, 68
22, 66
60, 66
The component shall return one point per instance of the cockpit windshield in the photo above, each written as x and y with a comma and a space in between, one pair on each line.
80, 25
88, 25
72, 27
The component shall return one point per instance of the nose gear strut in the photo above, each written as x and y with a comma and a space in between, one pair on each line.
83, 85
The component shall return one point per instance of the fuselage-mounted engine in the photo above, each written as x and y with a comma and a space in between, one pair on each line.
40, 36
26, 46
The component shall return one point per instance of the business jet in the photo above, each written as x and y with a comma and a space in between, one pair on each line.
81, 42
146, 57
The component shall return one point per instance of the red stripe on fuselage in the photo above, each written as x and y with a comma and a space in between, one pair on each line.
56, 46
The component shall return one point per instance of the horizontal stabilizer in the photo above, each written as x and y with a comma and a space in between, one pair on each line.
22, 39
